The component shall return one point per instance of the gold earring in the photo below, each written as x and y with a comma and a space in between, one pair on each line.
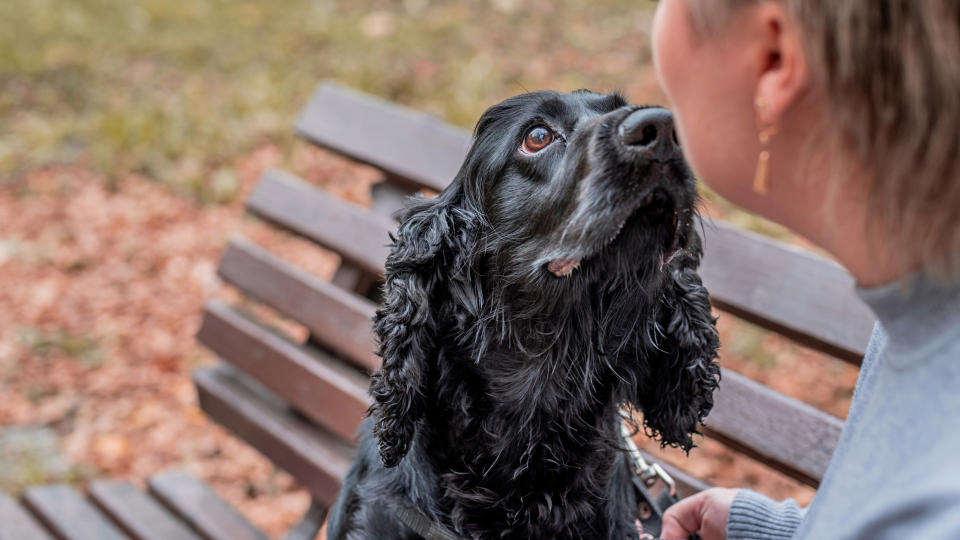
761, 180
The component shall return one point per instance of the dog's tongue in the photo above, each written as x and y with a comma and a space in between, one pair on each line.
563, 267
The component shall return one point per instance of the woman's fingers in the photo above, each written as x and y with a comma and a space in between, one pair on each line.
683, 518
705, 513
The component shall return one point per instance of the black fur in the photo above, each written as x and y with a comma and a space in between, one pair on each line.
496, 409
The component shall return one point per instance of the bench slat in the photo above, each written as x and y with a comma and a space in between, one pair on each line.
194, 502
789, 290
786, 434
314, 457
68, 515
306, 452
321, 387
782, 432
338, 319
139, 515
358, 235
16, 523
407, 144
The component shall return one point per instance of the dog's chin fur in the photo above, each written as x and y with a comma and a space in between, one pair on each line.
496, 408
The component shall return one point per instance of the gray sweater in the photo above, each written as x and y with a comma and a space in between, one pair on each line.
895, 473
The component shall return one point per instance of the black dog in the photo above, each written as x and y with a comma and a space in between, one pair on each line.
552, 282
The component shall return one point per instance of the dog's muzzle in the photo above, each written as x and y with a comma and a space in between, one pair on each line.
646, 134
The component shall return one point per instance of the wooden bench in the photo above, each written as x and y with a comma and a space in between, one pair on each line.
177, 506
300, 402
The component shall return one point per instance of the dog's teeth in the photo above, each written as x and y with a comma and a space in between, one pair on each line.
563, 267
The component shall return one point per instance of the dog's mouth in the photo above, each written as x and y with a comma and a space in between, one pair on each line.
654, 210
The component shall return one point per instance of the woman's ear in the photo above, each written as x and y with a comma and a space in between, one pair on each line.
678, 391
784, 70
427, 248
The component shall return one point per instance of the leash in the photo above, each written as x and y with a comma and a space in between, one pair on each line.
650, 507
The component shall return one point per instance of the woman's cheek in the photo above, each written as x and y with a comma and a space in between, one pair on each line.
705, 90
697, 147
674, 56
668, 53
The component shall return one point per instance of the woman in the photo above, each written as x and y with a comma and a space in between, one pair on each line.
841, 120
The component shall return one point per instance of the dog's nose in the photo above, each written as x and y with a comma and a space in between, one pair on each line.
650, 130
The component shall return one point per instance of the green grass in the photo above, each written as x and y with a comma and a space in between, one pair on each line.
177, 89
80, 347
31, 456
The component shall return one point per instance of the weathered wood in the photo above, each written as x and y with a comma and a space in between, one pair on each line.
17, 524
311, 523
315, 458
194, 502
786, 434
352, 391
339, 320
407, 144
138, 514
69, 516
358, 235
321, 387
387, 198
347, 277
785, 289
351, 278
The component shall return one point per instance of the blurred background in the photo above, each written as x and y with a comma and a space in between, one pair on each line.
132, 131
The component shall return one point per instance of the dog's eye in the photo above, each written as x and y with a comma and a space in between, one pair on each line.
538, 138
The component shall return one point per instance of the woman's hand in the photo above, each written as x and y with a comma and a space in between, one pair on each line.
705, 513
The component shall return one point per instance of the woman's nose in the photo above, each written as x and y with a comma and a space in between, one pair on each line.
650, 131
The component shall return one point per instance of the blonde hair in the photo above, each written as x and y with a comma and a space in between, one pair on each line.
890, 73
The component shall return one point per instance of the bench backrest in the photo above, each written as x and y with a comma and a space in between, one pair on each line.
300, 403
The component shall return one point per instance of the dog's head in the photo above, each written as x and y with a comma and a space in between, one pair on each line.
561, 199
582, 187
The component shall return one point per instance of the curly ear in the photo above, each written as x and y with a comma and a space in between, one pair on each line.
428, 244
678, 393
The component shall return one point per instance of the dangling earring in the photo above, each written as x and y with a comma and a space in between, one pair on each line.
761, 181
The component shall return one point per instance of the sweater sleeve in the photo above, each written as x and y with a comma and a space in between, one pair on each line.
755, 517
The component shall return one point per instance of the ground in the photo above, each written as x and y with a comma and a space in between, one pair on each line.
131, 134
